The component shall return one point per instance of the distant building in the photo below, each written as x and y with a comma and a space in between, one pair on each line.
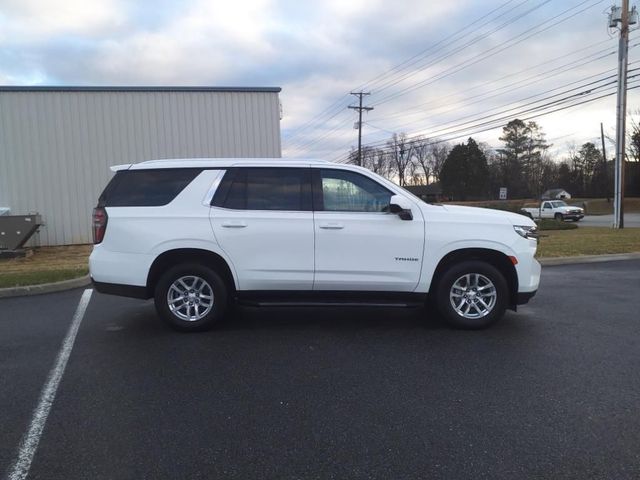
431, 193
556, 194
57, 143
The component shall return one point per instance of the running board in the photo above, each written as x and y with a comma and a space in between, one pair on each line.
250, 303
331, 299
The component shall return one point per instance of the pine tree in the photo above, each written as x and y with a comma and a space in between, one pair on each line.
522, 157
465, 173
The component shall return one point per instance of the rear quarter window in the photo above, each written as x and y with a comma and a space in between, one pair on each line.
146, 188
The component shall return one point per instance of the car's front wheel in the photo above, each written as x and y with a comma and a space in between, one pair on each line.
191, 297
559, 217
472, 295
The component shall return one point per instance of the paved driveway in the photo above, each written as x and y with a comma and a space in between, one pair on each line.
551, 392
630, 220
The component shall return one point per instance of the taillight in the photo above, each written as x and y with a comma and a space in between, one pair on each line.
100, 218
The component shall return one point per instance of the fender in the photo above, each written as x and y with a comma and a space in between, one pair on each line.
183, 243
432, 259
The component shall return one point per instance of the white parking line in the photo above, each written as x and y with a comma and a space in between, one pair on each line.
31, 439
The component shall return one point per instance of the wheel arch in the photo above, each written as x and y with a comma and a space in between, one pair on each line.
176, 256
495, 258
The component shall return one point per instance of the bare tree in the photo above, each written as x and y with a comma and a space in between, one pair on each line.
400, 152
415, 176
439, 152
422, 158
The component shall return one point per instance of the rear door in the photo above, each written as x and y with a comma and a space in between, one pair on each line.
262, 219
359, 244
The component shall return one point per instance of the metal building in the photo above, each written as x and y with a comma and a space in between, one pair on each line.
57, 143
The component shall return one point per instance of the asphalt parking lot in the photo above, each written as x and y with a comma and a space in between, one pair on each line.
551, 392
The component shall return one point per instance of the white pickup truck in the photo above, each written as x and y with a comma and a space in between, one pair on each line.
554, 209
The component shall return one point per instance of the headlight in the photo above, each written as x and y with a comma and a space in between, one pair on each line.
526, 231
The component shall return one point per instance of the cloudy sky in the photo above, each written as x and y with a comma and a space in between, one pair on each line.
444, 70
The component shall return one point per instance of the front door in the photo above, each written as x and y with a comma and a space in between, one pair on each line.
262, 219
359, 244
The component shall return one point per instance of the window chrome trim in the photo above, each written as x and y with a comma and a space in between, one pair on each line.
206, 201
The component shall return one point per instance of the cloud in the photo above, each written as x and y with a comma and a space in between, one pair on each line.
36, 20
317, 52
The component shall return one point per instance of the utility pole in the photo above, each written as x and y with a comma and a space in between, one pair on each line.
605, 173
625, 18
360, 108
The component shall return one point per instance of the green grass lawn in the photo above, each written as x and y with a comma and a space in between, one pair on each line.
588, 241
45, 265
38, 277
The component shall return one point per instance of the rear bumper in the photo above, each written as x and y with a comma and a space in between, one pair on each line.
119, 268
524, 297
132, 291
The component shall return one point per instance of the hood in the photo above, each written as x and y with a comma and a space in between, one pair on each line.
570, 208
491, 215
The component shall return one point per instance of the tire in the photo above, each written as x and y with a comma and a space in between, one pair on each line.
193, 312
559, 217
449, 289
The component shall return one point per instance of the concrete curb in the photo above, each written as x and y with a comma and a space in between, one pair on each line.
588, 259
45, 287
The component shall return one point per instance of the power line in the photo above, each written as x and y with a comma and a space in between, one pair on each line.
309, 143
339, 103
453, 125
497, 123
410, 61
469, 43
609, 77
468, 101
309, 123
490, 52
588, 59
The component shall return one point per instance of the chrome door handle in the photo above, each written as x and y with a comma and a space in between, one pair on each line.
332, 226
234, 224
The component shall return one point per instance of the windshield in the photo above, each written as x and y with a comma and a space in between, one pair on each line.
558, 204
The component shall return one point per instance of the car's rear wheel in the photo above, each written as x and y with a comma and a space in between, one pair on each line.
559, 217
191, 297
472, 295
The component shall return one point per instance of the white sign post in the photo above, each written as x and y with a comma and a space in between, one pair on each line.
503, 193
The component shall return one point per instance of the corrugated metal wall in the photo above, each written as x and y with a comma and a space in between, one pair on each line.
56, 146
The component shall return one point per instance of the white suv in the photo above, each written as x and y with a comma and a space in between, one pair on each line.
201, 234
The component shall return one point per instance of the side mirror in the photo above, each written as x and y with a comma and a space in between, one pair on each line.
401, 207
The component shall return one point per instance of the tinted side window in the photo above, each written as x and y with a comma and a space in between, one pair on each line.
268, 189
344, 191
146, 188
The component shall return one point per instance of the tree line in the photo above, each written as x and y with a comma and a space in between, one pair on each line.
474, 171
